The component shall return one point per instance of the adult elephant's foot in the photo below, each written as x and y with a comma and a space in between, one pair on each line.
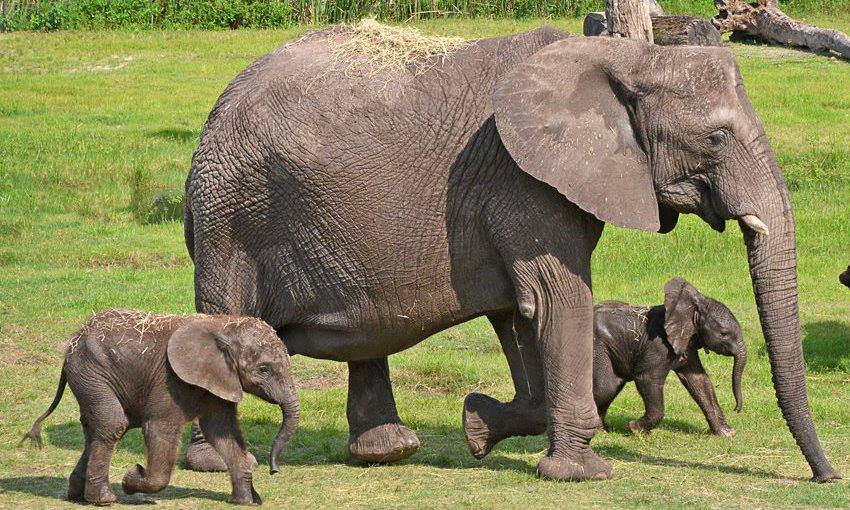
385, 443
578, 468
202, 457
486, 421
100, 495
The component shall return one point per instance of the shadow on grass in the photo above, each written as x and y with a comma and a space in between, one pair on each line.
826, 346
175, 134
623, 454
56, 488
619, 424
69, 436
442, 447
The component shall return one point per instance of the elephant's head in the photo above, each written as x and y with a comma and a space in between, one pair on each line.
692, 320
635, 134
228, 355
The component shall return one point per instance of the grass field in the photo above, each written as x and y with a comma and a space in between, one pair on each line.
81, 113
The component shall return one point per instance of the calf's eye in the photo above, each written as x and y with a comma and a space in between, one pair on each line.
263, 369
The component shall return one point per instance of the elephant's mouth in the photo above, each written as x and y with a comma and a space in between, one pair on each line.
692, 195
710, 216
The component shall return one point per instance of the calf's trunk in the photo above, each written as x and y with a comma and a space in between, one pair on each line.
291, 413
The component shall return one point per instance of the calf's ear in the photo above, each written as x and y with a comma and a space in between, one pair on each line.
198, 354
681, 306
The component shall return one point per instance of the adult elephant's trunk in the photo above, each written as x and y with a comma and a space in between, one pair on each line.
291, 413
740, 357
773, 268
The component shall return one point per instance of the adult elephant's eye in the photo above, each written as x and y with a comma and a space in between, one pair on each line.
718, 139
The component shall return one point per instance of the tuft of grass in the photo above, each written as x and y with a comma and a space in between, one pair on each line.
141, 194
166, 206
149, 203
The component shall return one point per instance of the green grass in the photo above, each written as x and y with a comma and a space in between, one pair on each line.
81, 113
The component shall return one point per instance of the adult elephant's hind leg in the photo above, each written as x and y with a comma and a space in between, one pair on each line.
200, 455
376, 433
486, 421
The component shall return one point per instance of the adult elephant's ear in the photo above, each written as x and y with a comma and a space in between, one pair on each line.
199, 355
564, 117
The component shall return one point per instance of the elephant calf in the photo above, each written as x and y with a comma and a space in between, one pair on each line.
158, 372
643, 344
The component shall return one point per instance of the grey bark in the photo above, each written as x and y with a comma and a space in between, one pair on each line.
763, 19
689, 30
666, 30
629, 18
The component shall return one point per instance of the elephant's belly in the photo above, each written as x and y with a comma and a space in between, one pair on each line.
324, 343
386, 328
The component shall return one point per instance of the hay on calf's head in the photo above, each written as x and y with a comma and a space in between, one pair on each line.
375, 47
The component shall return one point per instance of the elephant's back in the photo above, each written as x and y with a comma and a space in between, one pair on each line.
315, 79
350, 169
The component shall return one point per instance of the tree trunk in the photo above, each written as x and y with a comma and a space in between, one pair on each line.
690, 30
5, 8
764, 20
629, 18
666, 30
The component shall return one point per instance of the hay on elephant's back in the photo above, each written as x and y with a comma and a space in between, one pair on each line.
375, 48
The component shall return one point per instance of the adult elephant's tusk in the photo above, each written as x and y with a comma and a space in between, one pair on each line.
755, 224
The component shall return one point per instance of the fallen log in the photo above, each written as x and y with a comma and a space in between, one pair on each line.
689, 30
764, 20
666, 30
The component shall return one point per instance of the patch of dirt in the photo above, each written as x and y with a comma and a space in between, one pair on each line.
770, 52
319, 382
136, 260
444, 383
113, 63
11, 354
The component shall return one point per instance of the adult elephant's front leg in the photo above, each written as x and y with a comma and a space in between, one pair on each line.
486, 421
376, 433
564, 323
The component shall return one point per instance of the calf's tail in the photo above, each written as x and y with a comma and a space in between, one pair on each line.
35, 431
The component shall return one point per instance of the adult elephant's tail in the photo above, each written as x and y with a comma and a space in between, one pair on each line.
188, 224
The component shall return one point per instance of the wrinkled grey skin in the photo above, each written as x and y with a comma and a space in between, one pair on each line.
360, 213
131, 369
642, 344
844, 277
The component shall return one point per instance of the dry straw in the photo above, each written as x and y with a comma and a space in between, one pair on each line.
377, 48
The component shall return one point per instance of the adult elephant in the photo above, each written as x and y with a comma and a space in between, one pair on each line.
361, 209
